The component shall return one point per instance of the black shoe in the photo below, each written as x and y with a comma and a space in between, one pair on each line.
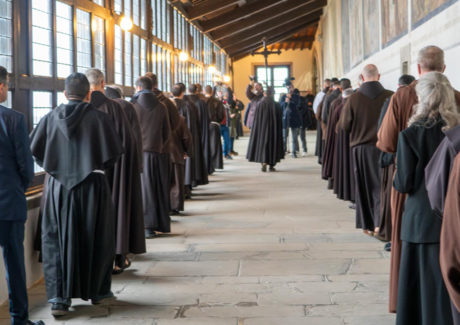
272, 169
264, 168
149, 234
234, 153
58, 309
387, 247
228, 157
103, 299
39, 322
175, 213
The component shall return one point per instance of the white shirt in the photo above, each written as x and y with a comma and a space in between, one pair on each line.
318, 98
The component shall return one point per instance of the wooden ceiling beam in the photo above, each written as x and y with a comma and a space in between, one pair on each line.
286, 9
255, 35
253, 45
208, 7
237, 14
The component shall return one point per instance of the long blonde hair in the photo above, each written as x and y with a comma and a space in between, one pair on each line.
436, 99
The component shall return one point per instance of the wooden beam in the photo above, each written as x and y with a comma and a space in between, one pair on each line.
291, 8
277, 24
257, 34
237, 14
253, 45
300, 39
208, 7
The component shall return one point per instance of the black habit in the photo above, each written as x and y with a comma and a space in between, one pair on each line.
216, 116
153, 119
195, 166
180, 144
266, 139
125, 177
74, 144
204, 118
342, 172
422, 295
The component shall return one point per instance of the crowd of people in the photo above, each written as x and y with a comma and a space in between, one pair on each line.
394, 157
116, 170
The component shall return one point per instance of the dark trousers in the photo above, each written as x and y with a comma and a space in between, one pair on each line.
285, 138
11, 240
224, 131
303, 139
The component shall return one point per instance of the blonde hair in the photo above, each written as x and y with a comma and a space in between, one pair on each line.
436, 100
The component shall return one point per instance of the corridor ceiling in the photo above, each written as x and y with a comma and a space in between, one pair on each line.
238, 26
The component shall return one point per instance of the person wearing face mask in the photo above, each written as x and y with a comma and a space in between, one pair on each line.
255, 93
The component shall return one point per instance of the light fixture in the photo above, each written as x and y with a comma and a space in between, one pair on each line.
183, 56
212, 69
227, 78
126, 23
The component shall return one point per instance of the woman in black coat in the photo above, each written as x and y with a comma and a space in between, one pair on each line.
422, 295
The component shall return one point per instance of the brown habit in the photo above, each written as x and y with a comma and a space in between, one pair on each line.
450, 249
360, 117
124, 179
399, 112
329, 149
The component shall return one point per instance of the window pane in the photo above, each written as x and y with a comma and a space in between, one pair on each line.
118, 56
83, 41
64, 40
154, 17
261, 75
117, 6
99, 43
41, 105
61, 99
128, 70
154, 59
136, 57
9, 100
168, 70
99, 2
136, 12
127, 8
143, 56
41, 38
143, 14
6, 34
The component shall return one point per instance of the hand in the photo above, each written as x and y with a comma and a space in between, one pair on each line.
185, 156
232, 115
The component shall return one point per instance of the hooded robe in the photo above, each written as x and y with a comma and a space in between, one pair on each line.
74, 144
153, 119
204, 118
266, 139
195, 166
216, 113
125, 179
180, 144
343, 175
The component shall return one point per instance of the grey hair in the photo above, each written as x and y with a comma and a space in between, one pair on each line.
436, 99
347, 92
431, 58
95, 76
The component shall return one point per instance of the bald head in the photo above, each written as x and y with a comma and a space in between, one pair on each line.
430, 58
370, 73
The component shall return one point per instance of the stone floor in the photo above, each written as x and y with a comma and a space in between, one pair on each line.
251, 249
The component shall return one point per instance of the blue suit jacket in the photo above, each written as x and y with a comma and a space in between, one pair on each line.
16, 165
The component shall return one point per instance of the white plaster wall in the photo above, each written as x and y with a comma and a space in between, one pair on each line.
442, 30
33, 268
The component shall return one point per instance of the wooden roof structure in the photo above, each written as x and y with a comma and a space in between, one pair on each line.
238, 26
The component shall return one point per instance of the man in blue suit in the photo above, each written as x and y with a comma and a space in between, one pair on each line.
16, 172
